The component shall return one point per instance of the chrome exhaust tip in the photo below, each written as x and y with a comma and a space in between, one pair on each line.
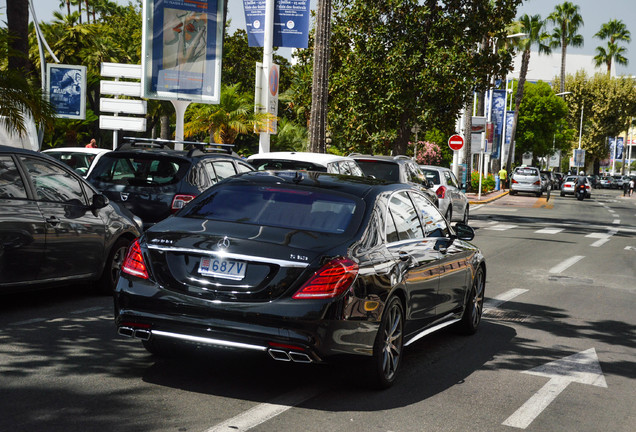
300, 357
142, 334
279, 355
126, 331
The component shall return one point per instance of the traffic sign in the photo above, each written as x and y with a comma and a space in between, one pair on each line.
456, 142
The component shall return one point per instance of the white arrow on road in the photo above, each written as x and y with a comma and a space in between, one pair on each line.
582, 368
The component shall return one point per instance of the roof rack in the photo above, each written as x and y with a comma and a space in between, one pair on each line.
192, 146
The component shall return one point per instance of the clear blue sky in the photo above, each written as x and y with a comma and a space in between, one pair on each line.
594, 12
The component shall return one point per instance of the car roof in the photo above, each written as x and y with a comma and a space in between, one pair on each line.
396, 159
87, 150
434, 167
317, 158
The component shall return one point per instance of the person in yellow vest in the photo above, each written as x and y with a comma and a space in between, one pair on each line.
503, 178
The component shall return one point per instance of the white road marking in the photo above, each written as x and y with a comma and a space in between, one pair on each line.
630, 248
616, 221
265, 411
603, 237
549, 231
582, 368
497, 301
501, 227
566, 264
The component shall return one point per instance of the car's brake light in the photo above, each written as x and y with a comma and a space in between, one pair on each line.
134, 262
537, 183
441, 192
330, 280
514, 181
180, 200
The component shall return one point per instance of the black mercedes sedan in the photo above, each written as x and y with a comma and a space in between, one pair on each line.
305, 267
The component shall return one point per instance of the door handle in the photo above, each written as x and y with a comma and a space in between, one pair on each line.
53, 220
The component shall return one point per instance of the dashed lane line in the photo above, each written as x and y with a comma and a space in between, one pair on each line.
566, 264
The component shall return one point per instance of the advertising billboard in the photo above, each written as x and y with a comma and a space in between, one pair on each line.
291, 23
182, 50
67, 90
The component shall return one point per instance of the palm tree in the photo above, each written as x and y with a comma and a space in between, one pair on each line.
534, 29
320, 81
615, 31
233, 115
20, 98
567, 20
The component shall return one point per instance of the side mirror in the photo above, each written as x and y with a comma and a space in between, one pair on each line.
99, 201
464, 232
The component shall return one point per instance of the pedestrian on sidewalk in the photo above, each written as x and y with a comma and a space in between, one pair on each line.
631, 187
503, 178
625, 188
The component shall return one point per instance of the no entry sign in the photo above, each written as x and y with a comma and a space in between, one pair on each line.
456, 142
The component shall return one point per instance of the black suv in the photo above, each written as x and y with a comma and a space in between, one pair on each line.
153, 181
396, 169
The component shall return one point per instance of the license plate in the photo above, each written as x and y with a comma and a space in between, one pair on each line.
226, 269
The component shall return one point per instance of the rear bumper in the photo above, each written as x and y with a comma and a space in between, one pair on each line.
289, 330
521, 187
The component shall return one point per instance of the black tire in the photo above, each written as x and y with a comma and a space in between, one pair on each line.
474, 304
388, 347
108, 280
465, 218
449, 213
539, 194
513, 192
562, 194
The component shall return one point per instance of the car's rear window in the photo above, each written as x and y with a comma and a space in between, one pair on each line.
432, 175
281, 164
527, 171
139, 170
294, 209
80, 162
379, 169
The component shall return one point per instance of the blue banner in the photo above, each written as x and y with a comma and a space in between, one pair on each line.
498, 109
67, 90
616, 151
182, 58
291, 23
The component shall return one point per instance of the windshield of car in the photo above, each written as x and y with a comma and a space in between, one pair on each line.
295, 209
139, 170
80, 162
571, 179
432, 175
380, 169
281, 164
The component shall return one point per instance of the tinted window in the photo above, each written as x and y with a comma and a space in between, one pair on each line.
280, 164
52, 183
219, 170
407, 224
139, 170
381, 170
414, 174
80, 162
11, 185
275, 206
355, 169
243, 167
434, 223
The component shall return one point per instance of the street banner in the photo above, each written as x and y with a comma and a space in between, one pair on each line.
478, 126
182, 50
506, 142
67, 90
291, 23
616, 151
579, 158
498, 109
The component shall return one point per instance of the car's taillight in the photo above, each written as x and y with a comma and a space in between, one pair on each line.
537, 183
514, 181
134, 262
330, 280
441, 192
180, 200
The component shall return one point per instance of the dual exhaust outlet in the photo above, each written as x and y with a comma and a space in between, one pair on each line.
276, 354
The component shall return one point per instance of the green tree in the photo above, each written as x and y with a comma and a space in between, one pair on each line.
543, 122
533, 27
395, 63
614, 31
567, 21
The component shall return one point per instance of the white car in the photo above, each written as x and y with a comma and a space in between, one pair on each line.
81, 159
453, 203
305, 161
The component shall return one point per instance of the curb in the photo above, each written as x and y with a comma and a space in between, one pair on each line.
488, 200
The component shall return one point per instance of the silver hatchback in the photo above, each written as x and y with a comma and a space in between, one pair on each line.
452, 201
526, 179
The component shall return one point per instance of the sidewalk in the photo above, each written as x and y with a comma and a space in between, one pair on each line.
485, 198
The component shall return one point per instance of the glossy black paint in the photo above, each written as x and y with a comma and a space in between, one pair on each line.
46, 241
430, 275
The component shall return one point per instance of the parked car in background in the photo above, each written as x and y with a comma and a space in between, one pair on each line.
81, 159
545, 183
153, 181
552, 179
608, 182
527, 180
303, 267
569, 186
452, 200
396, 169
55, 228
306, 161
559, 178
